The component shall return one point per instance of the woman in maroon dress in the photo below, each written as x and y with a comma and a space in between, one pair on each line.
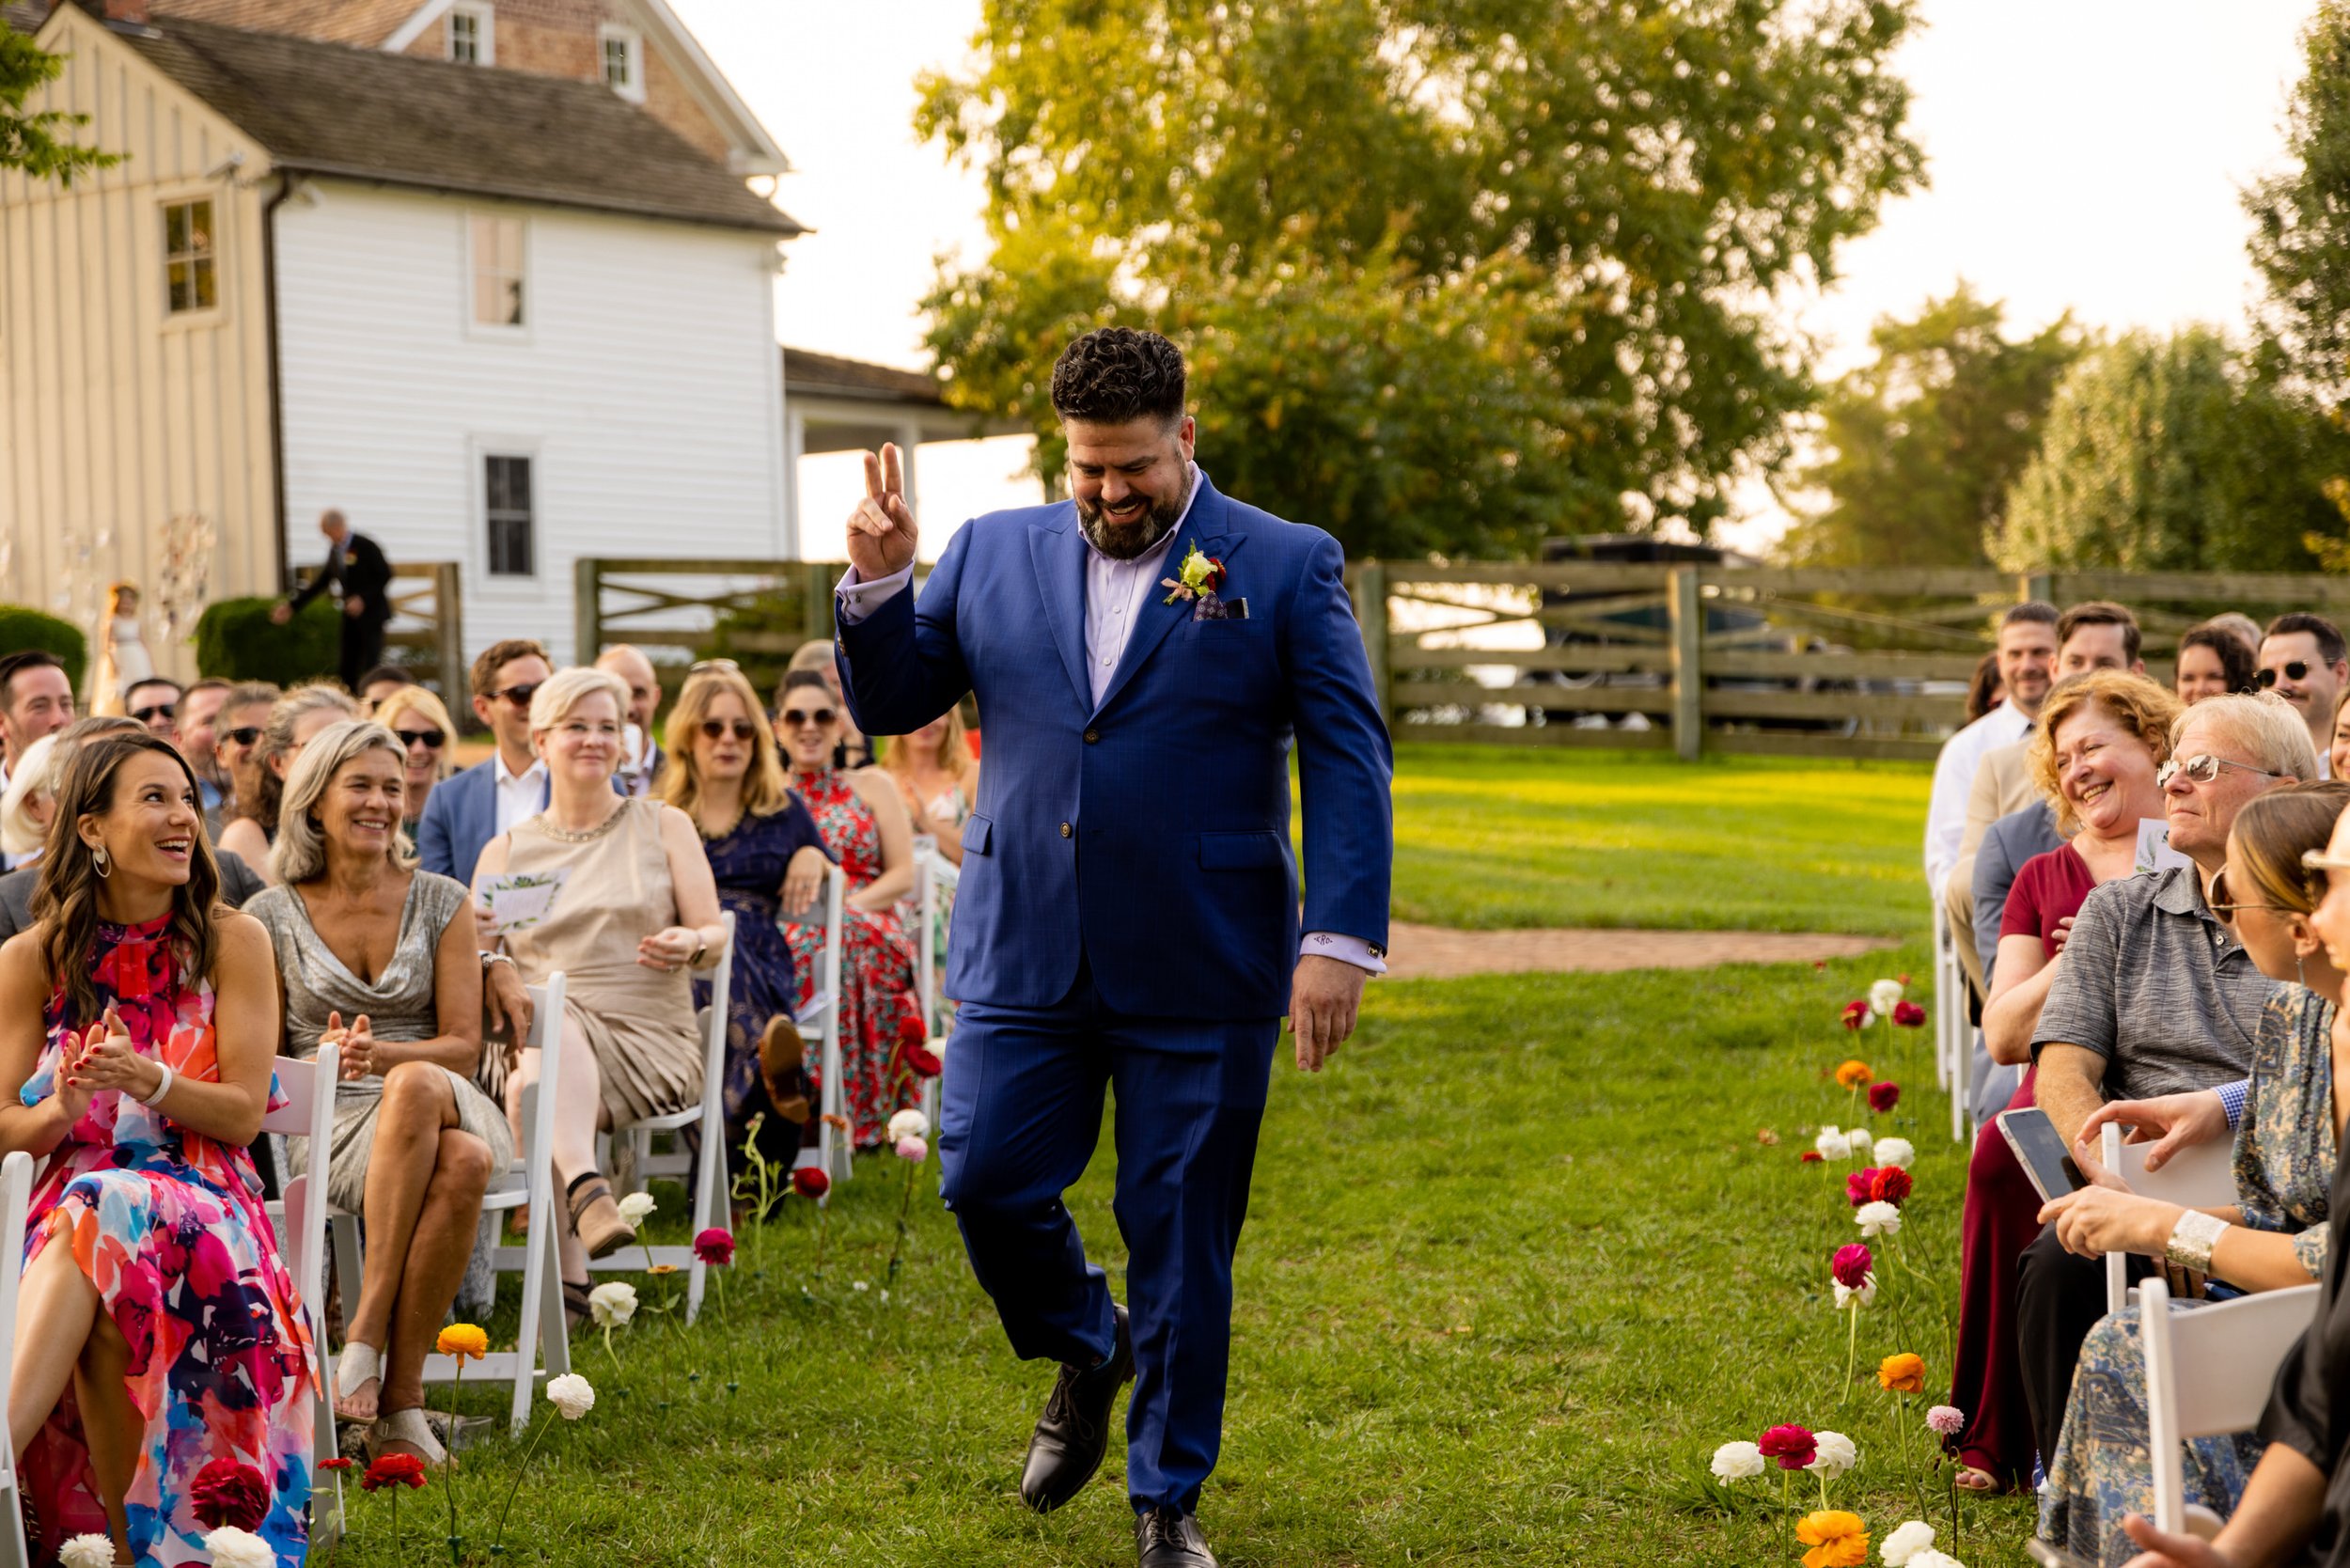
2099, 739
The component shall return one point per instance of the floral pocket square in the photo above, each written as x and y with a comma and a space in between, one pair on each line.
1209, 607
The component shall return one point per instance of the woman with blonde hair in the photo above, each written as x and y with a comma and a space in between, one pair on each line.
122, 659
28, 803
294, 720
380, 958
422, 726
769, 861
634, 914
937, 777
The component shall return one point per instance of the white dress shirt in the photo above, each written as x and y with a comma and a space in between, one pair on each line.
520, 796
1954, 781
1115, 594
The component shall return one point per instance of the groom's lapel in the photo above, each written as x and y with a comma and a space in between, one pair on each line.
1058, 555
1205, 527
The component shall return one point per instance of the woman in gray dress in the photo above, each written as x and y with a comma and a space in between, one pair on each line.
380, 957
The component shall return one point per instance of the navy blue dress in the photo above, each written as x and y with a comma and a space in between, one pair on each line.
749, 864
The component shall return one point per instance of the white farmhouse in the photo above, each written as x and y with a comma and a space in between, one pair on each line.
490, 278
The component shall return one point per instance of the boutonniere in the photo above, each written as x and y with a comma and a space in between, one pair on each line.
1199, 574
351, 557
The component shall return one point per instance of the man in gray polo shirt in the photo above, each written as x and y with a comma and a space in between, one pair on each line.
2153, 995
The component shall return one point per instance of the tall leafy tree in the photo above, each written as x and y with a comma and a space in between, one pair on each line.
1452, 277
32, 140
2301, 224
2171, 455
1919, 446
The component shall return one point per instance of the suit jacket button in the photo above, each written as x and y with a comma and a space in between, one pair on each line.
1064, 830
1092, 735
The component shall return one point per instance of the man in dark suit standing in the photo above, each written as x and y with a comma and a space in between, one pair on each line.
358, 571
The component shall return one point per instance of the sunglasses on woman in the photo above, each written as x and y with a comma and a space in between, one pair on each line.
2202, 768
433, 740
793, 719
742, 730
245, 734
2297, 669
2225, 908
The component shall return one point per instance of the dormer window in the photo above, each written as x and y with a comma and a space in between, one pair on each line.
623, 61
470, 35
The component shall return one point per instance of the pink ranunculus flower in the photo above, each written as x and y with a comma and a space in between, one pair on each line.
714, 1247
1948, 1420
1852, 1264
1858, 1187
912, 1150
1884, 1097
1793, 1446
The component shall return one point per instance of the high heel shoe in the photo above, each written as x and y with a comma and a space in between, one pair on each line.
596, 1218
782, 1054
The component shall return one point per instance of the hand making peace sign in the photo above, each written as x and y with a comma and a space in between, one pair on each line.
881, 530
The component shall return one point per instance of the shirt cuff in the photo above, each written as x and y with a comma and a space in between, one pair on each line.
859, 598
2232, 1098
1346, 950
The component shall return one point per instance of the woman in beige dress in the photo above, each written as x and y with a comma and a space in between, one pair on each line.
637, 914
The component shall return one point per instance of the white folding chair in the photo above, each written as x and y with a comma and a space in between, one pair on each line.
2208, 1372
820, 1026
935, 875
16, 1197
2201, 1176
707, 1171
308, 1113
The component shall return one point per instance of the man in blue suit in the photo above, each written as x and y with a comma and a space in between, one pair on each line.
1142, 656
466, 812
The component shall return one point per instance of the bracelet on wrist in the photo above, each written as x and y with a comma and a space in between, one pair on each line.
163, 1086
2192, 1240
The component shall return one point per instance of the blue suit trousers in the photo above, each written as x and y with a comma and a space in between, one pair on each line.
1020, 1114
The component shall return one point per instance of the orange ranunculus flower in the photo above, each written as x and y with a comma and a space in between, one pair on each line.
1904, 1373
1853, 1074
1837, 1539
464, 1341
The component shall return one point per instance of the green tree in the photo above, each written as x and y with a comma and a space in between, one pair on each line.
29, 141
1919, 446
2171, 455
1452, 276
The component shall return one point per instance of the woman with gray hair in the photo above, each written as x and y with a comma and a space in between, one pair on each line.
27, 804
380, 957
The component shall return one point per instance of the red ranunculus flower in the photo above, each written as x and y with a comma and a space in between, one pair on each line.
911, 1030
393, 1470
1890, 1185
714, 1247
1857, 1186
336, 1464
1909, 1015
808, 1181
1884, 1097
1813, 1156
1856, 1013
923, 1061
228, 1493
1794, 1447
1852, 1265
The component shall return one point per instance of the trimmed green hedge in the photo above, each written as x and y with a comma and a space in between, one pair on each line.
235, 642
23, 627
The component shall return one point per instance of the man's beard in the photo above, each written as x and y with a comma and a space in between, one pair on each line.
1125, 542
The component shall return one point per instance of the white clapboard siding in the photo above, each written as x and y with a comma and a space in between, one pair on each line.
115, 419
646, 388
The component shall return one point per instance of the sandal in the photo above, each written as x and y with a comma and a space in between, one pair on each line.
596, 1218
356, 1367
782, 1054
405, 1432
1969, 1479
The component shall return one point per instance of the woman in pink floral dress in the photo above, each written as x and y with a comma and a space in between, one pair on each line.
158, 1331
865, 825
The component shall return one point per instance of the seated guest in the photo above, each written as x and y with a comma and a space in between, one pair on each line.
138, 1021
2338, 749
155, 701
642, 758
1984, 692
853, 750
380, 958
380, 683
486, 800
422, 726
28, 803
937, 778
2213, 661
768, 862
2273, 1238
2302, 660
36, 699
2099, 741
198, 739
2028, 650
865, 828
294, 719
2152, 997
637, 913
237, 739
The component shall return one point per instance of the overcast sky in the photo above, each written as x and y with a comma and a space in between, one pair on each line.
2085, 155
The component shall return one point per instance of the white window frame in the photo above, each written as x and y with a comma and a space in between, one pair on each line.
495, 331
479, 451
207, 315
484, 19
633, 42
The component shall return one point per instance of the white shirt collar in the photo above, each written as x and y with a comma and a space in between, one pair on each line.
538, 769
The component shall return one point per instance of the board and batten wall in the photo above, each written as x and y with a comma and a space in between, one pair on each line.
644, 387
114, 416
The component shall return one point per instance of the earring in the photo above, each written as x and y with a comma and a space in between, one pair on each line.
2301, 971
99, 862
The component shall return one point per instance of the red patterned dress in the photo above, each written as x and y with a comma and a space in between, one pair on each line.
877, 982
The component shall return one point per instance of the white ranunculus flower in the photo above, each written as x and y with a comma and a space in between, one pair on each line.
638, 1207
1835, 1455
1905, 1542
572, 1395
1861, 1142
1897, 1152
1883, 995
1878, 1219
1832, 1144
1868, 1294
1737, 1462
232, 1548
87, 1551
909, 1122
1932, 1558
612, 1302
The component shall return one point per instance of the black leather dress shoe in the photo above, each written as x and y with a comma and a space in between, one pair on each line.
1171, 1538
1073, 1433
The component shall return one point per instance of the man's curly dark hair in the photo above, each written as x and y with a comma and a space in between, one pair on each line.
1114, 375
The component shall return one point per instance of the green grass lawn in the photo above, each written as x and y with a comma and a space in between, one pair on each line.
1515, 1265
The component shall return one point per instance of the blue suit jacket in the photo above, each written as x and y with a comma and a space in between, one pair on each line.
1149, 834
461, 817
